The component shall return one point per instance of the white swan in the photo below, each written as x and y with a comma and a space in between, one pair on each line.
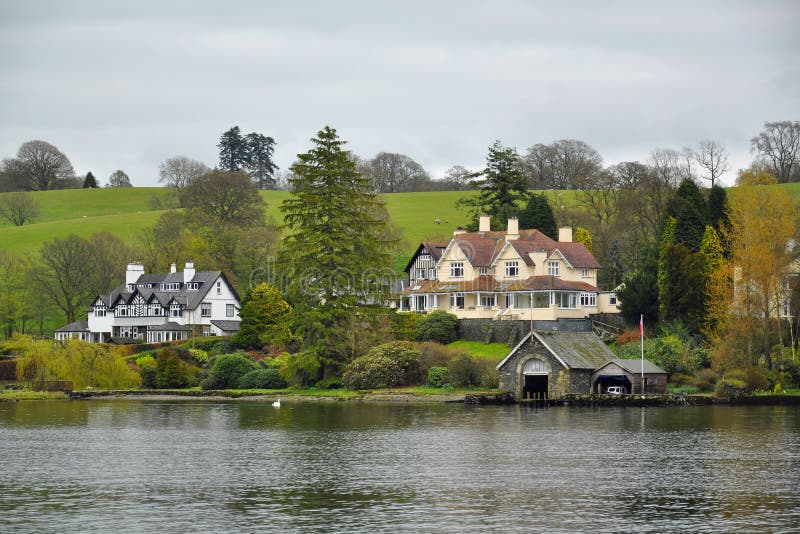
277, 403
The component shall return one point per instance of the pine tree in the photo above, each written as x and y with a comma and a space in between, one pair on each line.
503, 186
538, 214
89, 181
666, 239
719, 217
233, 154
682, 295
259, 160
335, 250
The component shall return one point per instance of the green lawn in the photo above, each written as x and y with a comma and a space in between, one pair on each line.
491, 352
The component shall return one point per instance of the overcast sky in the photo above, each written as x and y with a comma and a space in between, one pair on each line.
128, 84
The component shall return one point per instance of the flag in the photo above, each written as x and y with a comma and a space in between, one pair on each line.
641, 325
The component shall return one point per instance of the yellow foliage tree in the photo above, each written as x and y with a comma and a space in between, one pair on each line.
582, 235
763, 223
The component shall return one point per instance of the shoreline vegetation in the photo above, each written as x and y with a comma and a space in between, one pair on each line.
400, 396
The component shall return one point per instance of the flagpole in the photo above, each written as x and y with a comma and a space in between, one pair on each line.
641, 335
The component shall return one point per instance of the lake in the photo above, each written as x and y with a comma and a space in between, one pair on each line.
201, 466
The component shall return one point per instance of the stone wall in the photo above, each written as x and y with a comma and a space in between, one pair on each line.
512, 332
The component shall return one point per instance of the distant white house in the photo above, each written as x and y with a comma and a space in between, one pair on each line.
160, 307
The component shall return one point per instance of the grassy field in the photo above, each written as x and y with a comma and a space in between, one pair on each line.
126, 211
491, 352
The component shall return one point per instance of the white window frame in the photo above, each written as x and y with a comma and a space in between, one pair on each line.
588, 299
454, 301
585, 273
230, 310
489, 300
205, 309
431, 274
420, 273
512, 269
457, 269
553, 268
483, 271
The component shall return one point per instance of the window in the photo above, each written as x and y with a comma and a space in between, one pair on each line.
219, 287
588, 299
230, 310
205, 309
512, 269
425, 257
99, 311
457, 300
158, 311
483, 270
488, 301
193, 286
540, 300
431, 274
171, 287
122, 311
457, 269
420, 274
566, 299
552, 268
175, 310
585, 273
522, 301
612, 299
131, 287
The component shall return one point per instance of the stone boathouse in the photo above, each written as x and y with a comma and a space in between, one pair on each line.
551, 364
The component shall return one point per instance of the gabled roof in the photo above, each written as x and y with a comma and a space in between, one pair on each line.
479, 249
575, 350
434, 248
577, 255
634, 366
77, 326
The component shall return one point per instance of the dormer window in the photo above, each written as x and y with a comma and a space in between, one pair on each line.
483, 270
585, 273
553, 268
131, 287
175, 310
193, 286
171, 287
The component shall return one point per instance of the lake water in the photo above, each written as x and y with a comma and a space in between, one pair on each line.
198, 466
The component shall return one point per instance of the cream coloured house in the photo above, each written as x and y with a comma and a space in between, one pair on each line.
515, 274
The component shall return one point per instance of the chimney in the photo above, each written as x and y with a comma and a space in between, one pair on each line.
513, 229
173, 268
459, 230
188, 272
484, 223
133, 272
565, 234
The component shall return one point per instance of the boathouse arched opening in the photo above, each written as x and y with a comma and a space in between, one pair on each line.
535, 379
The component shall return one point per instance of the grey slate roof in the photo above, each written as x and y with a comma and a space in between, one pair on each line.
170, 327
576, 350
227, 326
190, 299
635, 366
77, 326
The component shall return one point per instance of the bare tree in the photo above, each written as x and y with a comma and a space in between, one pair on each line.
225, 197
561, 164
538, 165
779, 144
118, 178
689, 157
63, 274
393, 173
458, 178
712, 156
43, 164
18, 208
13, 176
180, 171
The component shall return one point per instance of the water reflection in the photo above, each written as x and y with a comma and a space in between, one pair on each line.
207, 466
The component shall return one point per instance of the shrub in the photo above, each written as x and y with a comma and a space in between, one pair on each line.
434, 354
439, 326
405, 326
227, 370
730, 386
437, 376
490, 378
148, 371
752, 378
679, 379
705, 379
299, 369
392, 364
262, 379
331, 382
464, 371
199, 355
793, 370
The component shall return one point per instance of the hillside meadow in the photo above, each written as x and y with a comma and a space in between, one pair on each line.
126, 212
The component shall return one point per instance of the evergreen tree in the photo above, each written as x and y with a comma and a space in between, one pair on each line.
503, 186
335, 250
639, 295
259, 160
690, 210
233, 153
538, 214
89, 181
266, 319
666, 239
682, 296
716, 286
719, 217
